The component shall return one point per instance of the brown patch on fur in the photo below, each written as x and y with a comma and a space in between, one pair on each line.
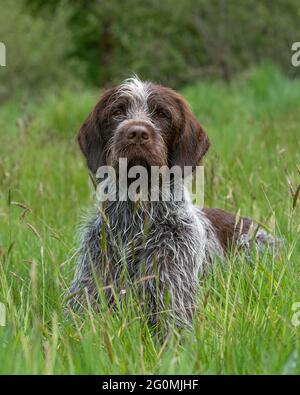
227, 229
191, 145
91, 137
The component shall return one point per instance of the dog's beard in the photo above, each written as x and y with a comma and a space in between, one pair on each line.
144, 158
139, 161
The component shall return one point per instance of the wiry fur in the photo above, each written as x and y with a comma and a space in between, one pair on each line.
160, 249
170, 253
138, 93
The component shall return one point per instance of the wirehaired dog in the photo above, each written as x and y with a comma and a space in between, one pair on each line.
163, 246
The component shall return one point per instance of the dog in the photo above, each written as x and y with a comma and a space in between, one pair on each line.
163, 248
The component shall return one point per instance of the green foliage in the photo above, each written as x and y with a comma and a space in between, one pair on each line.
176, 41
173, 42
37, 49
244, 317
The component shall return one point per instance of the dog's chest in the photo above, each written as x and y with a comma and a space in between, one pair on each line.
158, 241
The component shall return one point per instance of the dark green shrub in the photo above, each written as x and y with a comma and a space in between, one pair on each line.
37, 48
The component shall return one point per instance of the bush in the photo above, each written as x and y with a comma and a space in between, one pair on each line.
37, 49
177, 41
173, 42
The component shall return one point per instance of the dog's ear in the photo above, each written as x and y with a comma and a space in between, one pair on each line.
91, 143
192, 142
90, 137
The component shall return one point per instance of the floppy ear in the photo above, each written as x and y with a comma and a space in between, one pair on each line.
90, 136
192, 143
91, 143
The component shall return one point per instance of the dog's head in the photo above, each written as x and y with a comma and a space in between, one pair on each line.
148, 124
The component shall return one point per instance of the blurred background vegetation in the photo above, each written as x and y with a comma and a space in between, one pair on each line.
173, 42
231, 60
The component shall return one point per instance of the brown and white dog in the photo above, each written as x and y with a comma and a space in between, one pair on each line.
167, 244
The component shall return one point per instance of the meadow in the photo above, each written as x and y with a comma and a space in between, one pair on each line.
244, 321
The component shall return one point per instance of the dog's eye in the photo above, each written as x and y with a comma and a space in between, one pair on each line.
117, 112
162, 114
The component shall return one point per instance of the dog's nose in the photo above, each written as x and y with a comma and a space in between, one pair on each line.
138, 134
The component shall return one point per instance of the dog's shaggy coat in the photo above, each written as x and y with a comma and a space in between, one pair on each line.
160, 248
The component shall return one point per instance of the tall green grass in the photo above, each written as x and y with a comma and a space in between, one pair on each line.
244, 318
